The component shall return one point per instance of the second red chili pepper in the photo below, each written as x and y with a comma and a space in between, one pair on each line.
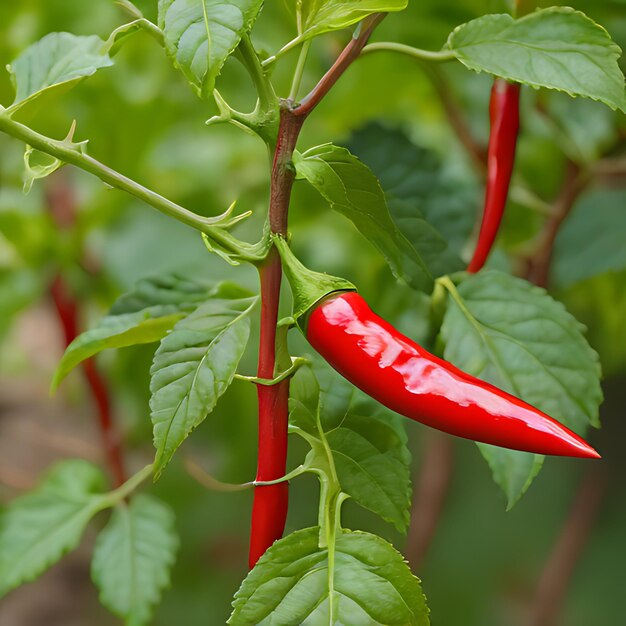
504, 114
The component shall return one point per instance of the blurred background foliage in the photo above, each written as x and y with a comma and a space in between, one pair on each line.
141, 117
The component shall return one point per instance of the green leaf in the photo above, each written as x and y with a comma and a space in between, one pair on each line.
193, 367
144, 315
365, 582
372, 462
591, 240
133, 556
201, 34
368, 444
410, 176
38, 528
55, 63
321, 16
557, 48
515, 336
352, 189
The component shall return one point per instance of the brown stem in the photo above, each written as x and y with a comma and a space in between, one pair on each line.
350, 53
576, 531
429, 496
456, 119
611, 171
576, 181
283, 171
62, 206
561, 563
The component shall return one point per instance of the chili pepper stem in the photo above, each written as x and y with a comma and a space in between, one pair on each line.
308, 287
297, 363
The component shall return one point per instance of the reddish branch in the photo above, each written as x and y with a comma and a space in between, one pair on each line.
475, 150
350, 53
568, 549
269, 509
575, 533
576, 181
61, 204
431, 488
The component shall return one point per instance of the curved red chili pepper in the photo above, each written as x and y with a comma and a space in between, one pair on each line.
404, 377
504, 113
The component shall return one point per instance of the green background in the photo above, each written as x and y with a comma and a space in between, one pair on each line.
142, 118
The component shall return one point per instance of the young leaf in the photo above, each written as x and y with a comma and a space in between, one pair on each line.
557, 48
144, 315
38, 528
201, 34
366, 581
515, 336
320, 16
54, 63
368, 444
352, 189
133, 556
193, 367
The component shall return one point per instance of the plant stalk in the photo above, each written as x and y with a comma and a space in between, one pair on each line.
438, 56
269, 510
270, 501
350, 53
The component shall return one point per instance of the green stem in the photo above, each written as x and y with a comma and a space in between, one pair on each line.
210, 482
123, 491
74, 154
130, 8
267, 97
297, 77
439, 56
298, 471
286, 48
152, 29
136, 13
270, 382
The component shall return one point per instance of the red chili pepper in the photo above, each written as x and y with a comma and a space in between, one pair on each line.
406, 378
504, 113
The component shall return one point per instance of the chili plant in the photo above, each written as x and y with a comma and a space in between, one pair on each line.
499, 361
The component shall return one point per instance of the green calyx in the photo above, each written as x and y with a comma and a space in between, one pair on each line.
308, 287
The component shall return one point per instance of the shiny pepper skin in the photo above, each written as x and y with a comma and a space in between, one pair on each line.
404, 377
504, 114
